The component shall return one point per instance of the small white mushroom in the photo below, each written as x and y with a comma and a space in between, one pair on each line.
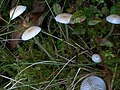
93, 83
96, 58
30, 32
63, 18
114, 19
16, 11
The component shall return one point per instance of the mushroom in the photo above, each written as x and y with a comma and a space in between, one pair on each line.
93, 83
114, 19
96, 58
30, 32
16, 11
63, 18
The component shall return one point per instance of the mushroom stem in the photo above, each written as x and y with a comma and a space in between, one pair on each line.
22, 18
67, 36
110, 32
37, 42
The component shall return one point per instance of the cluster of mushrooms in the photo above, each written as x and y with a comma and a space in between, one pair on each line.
91, 82
31, 31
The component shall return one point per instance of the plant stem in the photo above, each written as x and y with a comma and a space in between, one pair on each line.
107, 73
114, 74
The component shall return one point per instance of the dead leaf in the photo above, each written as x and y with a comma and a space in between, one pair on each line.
16, 35
38, 7
101, 40
37, 12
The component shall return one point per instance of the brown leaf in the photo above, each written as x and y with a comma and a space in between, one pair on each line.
38, 7
36, 13
17, 35
101, 40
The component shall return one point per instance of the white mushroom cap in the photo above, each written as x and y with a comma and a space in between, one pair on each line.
96, 58
63, 18
93, 83
30, 32
16, 11
114, 19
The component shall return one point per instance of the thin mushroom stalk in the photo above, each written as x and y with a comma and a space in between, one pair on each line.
112, 28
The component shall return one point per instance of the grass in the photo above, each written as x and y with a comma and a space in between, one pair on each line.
59, 57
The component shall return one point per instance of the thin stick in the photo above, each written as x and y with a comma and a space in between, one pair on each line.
59, 39
114, 75
10, 39
49, 8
